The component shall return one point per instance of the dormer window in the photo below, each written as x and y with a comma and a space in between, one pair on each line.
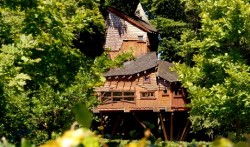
146, 79
140, 38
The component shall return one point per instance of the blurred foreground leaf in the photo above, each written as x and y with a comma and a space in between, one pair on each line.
26, 143
222, 142
83, 116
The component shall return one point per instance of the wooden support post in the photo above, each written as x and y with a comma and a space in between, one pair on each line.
179, 134
171, 126
185, 131
102, 125
142, 124
116, 124
125, 125
163, 128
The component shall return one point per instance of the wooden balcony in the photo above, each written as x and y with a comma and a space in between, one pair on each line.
130, 101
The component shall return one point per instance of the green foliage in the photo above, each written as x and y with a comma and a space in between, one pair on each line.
170, 32
104, 62
170, 19
42, 74
217, 74
85, 137
123, 5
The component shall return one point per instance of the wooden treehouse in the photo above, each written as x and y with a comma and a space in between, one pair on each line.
143, 93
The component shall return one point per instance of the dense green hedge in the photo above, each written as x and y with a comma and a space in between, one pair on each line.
122, 143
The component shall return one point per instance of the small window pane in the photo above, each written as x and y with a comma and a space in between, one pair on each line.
178, 92
117, 94
140, 38
117, 99
105, 99
128, 93
129, 99
147, 94
105, 94
146, 79
165, 92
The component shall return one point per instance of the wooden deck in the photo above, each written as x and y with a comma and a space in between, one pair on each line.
159, 102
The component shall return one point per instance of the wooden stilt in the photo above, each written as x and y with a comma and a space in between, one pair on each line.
186, 133
184, 130
187, 128
102, 125
116, 124
125, 127
142, 124
171, 126
163, 128
179, 134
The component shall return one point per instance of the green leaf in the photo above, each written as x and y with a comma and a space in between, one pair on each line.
83, 116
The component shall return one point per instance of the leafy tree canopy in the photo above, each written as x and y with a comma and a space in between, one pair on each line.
217, 76
42, 74
171, 18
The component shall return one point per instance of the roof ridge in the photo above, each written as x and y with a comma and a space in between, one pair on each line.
148, 27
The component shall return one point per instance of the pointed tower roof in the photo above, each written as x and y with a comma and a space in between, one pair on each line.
140, 13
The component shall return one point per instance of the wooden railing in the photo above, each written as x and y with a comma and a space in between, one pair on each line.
117, 96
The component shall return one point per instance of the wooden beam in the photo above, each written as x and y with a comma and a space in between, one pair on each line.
185, 130
130, 77
171, 126
126, 124
141, 123
179, 134
116, 124
102, 125
186, 133
163, 128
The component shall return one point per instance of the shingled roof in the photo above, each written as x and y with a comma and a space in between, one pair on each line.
145, 62
164, 71
134, 20
142, 63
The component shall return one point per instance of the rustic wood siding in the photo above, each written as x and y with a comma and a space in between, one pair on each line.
136, 47
121, 34
161, 100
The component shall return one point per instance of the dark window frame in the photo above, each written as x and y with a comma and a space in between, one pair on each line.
165, 92
178, 93
140, 38
151, 95
146, 79
118, 97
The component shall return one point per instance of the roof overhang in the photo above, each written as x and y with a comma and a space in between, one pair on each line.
135, 21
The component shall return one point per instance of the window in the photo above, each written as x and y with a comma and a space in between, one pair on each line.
116, 96
117, 93
177, 92
129, 93
147, 95
165, 92
129, 96
105, 96
116, 99
146, 79
140, 38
